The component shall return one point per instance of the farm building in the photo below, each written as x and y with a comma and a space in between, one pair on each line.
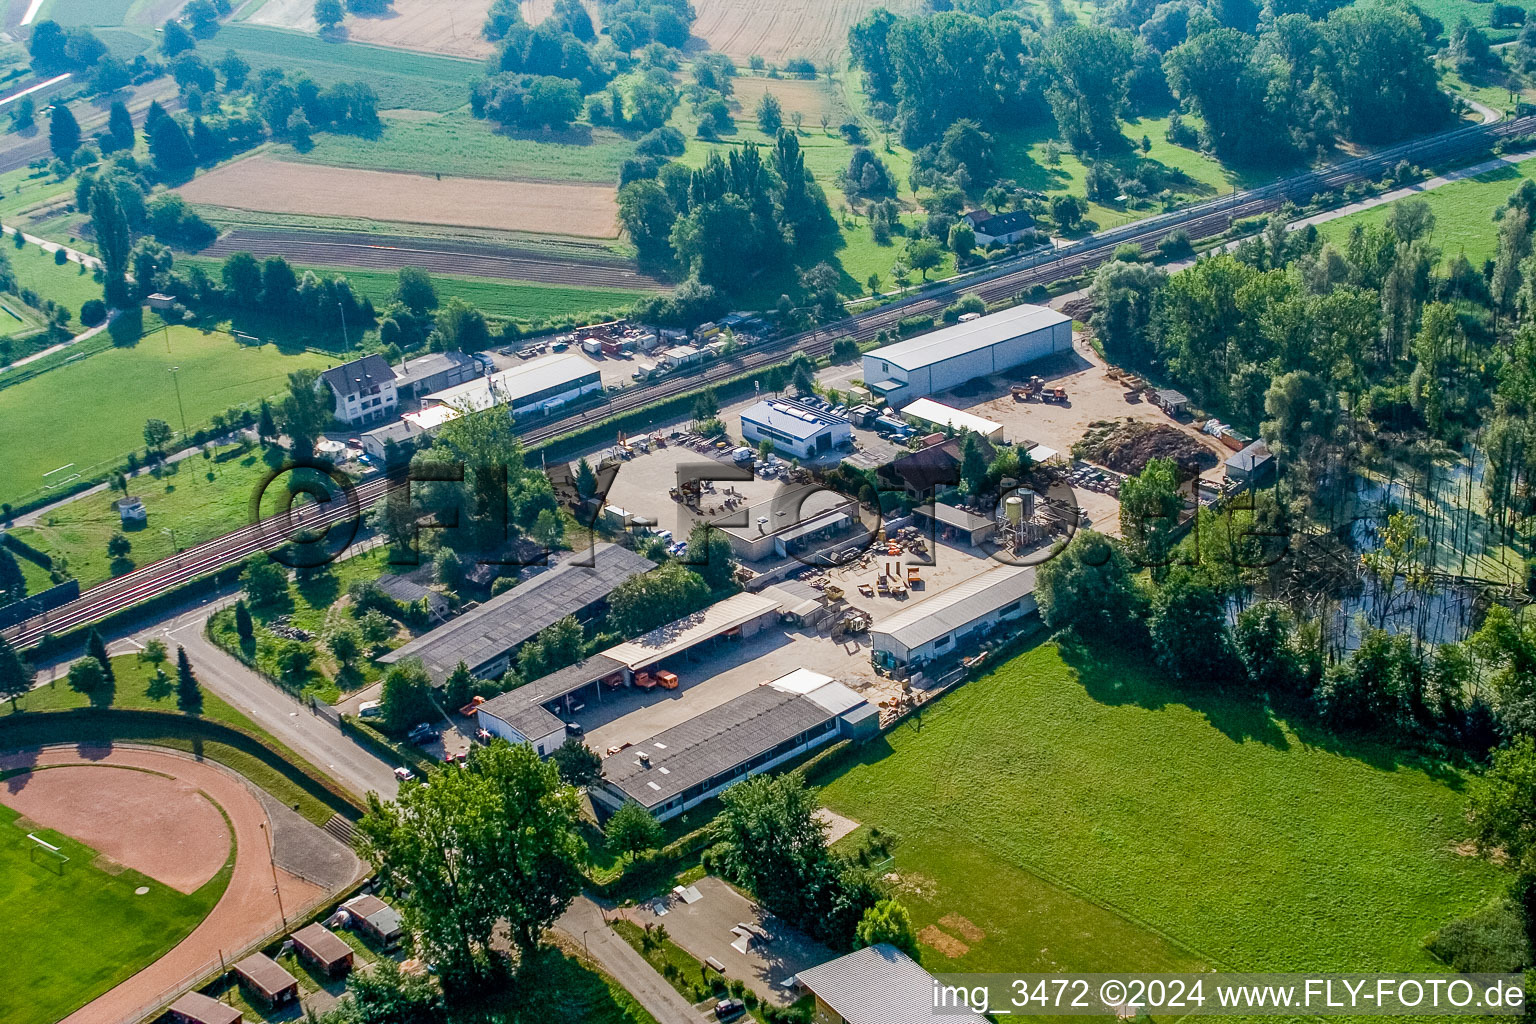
375, 918
1254, 465
687, 764
798, 521
323, 948
410, 429
536, 387
951, 523
364, 389
878, 984
939, 626
795, 429
267, 980
196, 1008
950, 356
435, 372
486, 638
927, 412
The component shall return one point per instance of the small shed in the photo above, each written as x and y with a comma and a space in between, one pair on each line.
132, 510
160, 300
196, 1008
949, 522
375, 918
266, 979
1254, 465
1172, 402
323, 948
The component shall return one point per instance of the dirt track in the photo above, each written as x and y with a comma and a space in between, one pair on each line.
274, 186
441, 257
247, 912
160, 827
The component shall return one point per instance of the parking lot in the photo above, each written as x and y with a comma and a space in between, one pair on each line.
723, 670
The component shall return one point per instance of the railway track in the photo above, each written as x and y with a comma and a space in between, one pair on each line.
1202, 220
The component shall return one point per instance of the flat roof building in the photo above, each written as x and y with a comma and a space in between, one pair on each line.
936, 628
738, 615
878, 984
486, 638
536, 387
798, 520
412, 429
927, 411
946, 358
1254, 465
434, 372
795, 429
949, 522
687, 764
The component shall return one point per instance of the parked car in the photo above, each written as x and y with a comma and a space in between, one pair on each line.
404, 774
370, 709
422, 733
574, 729
729, 1009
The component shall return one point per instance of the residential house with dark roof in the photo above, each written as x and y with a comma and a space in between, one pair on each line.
364, 389
1000, 228
932, 469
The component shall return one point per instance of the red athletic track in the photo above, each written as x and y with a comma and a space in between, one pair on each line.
1200, 221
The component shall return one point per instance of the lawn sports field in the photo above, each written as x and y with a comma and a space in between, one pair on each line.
100, 953
1464, 223
1213, 832
82, 927
436, 26
777, 30
47, 428
275, 186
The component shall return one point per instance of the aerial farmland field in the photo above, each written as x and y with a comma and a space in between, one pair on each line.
436, 26
777, 30
261, 183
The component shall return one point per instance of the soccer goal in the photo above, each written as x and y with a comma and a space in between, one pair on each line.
44, 852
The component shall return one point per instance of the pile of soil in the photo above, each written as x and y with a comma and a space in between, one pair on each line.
1080, 310
1128, 447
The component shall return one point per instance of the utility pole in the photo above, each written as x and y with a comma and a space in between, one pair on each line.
272, 859
345, 344
177, 381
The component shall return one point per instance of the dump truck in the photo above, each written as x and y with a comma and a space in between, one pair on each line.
1054, 394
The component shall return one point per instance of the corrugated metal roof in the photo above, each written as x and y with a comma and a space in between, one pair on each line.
929, 411
948, 342
800, 422
510, 386
675, 637
958, 606
713, 742
876, 985
506, 620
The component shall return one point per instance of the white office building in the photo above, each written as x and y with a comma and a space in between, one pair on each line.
796, 430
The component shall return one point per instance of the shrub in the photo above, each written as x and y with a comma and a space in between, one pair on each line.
93, 312
1489, 941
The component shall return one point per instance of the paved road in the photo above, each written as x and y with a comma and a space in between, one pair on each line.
584, 924
350, 763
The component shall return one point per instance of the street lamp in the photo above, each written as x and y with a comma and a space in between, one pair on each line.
179, 407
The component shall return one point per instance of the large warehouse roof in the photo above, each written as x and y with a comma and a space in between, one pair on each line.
946, 343
717, 740
511, 386
925, 621
509, 618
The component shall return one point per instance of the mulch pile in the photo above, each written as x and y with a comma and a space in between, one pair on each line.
1128, 447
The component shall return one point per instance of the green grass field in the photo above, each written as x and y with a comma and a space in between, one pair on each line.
68, 284
513, 300
1098, 820
402, 78
86, 12
1463, 211
48, 426
459, 144
79, 933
